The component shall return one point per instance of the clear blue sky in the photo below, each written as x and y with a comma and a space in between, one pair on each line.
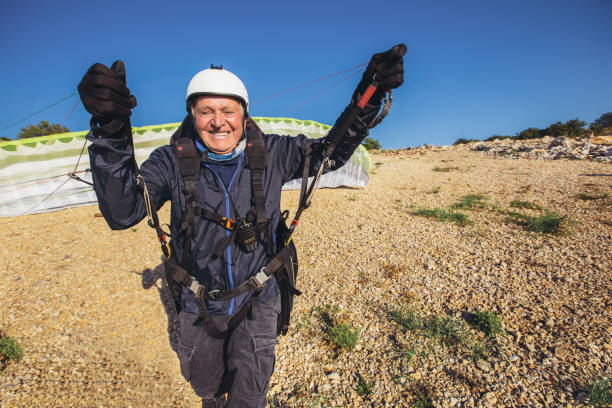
473, 68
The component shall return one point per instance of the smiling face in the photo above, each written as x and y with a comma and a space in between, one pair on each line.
219, 121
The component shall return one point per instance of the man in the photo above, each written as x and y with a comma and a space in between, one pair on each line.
225, 212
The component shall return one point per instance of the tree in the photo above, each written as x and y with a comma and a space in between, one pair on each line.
463, 140
571, 128
371, 144
575, 127
530, 133
604, 121
43, 128
556, 129
4, 139
497, 137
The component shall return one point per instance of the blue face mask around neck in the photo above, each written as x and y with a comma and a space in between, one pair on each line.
222, 157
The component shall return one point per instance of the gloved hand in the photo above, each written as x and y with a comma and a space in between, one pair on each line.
104, 93
387, 68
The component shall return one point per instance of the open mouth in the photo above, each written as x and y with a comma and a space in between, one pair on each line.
219, 135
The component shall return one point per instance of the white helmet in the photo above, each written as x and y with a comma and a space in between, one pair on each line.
217, 81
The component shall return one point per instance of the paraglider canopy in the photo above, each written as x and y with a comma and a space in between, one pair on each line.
34, 172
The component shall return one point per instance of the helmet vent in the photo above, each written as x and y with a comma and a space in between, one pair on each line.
212, 66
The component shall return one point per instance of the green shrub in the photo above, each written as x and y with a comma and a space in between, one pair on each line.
407, 319
449, 332
423, 401
549, 223
471, 201
318, 401
371, 144
364, 388
406, 356
444, 169
10, 349
343, 336
479, 352
497, 137
464, 141
444, 215
600, 392
488, 322
531, 133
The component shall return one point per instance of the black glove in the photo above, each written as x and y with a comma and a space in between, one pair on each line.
387, 68
104, 94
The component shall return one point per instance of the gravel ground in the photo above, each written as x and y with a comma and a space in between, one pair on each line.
71, 294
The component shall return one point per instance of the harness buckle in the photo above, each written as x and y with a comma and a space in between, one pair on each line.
260, 278
228, 223
195, 286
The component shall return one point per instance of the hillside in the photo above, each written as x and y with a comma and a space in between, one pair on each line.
372, 263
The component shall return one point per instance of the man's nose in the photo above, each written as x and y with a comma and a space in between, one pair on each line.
217, 119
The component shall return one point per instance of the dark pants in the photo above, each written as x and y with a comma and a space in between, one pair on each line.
241, 364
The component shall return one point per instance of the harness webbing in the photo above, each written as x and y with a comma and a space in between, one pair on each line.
189, 164
227, 223
188, 158
257, 160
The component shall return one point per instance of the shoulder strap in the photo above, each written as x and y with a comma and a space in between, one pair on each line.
188, 159
257, 160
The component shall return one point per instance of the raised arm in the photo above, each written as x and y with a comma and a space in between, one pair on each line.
105, 95
387, 70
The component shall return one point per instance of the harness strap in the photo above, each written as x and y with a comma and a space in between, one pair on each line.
255, 283
227, 223
257, 160
189, 164
201, 294
302, 202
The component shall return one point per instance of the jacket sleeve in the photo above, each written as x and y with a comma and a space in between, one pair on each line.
120, 200
343, 151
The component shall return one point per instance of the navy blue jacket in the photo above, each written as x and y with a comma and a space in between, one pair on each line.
122, 205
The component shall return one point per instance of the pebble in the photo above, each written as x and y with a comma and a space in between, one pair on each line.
483, 365
333, 376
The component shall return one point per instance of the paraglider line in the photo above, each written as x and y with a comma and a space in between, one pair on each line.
68, 115
38, 111
38, 181
47, 197
323, 91
267, 98
79, 159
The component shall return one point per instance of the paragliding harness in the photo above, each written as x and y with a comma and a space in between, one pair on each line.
283, 264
